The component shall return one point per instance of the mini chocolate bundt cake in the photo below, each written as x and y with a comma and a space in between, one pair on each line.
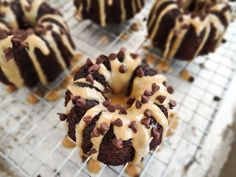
185, 29
117, 107
108, 11
35, 44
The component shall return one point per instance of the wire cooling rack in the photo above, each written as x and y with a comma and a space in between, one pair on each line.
30, 136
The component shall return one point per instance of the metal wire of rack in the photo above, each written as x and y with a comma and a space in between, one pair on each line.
30, 136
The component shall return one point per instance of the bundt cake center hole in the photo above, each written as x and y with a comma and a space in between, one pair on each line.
118, 99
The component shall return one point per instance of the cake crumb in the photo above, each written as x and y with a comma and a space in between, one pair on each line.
104, 40
185, 75
68, 80
134, 169
52, 95
11, 88
135, 26
163, 66
93, 166
216, 98
32, 99
151, 58
124, 37
77, 57
147, 47
173, 123
68, 143
74, 70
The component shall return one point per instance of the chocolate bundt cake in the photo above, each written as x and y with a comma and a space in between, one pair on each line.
117, 107
108, 11
185, 29
35, 44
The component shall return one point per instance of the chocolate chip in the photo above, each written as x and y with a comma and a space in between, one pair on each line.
24, 44
172, 104
74, 98
3, 35
118, 122
99, 60
140, 72
95, 133
111, 108
62, 31
117, 143
118, 106
138, 104
16, 41
147, 93
49, 27
155, 87
148, 113
89, 62
216, 98
40, 30
170, 90
130, 101
223, 41
103, 128
107, 103
181, 19
112, 56
191, 79
93, 68
62, 116
8, 53
87, 119
2, 14
164, 83
122, 111
155, 134
144, 99
161, 98
107, 90
146, 122
133, 126
123, 69
121, 55
92, 151
80, 102
28, 8
185, 26
134, 55
89, 78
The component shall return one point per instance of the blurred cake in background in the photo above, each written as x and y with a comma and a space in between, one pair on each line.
109, 11
35, 43
185, 29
